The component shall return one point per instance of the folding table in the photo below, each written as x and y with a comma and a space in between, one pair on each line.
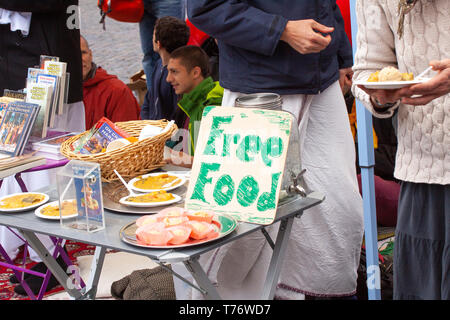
43, 164
28, 224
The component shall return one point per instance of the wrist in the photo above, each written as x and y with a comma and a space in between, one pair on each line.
286, 31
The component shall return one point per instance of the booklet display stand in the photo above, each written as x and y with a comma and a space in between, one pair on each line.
80, 182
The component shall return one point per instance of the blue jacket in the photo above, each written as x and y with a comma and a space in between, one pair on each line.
161, 100
252, 57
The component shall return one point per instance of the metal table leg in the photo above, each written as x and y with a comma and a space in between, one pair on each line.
96, 269
277, 258
209, 291
51, 263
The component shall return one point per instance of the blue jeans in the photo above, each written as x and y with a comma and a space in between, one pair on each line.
155, 9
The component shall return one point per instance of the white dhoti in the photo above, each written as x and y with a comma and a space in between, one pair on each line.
323, 252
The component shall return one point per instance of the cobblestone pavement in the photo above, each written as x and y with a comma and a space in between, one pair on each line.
118, 48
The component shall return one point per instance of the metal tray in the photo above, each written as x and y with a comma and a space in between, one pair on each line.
114, 191
226, 222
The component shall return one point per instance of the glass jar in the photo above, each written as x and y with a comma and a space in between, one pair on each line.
292, 181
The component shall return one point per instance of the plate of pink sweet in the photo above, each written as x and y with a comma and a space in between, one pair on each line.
176, 227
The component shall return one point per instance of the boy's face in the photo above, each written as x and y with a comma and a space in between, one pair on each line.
181, 80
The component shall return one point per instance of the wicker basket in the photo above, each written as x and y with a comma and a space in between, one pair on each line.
131, 160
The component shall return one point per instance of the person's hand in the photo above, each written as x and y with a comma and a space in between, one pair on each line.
345, 79
432, 89
305, 36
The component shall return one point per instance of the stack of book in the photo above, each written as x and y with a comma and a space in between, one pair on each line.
47, 86
29, 113
50, 148
13, 165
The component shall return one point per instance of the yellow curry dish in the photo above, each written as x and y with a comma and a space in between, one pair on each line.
390, 74
156, 196
69, 207
22, 200
156, 182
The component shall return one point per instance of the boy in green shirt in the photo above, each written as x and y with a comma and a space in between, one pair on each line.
188, 73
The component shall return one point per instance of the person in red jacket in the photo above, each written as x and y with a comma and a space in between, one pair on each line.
104, 95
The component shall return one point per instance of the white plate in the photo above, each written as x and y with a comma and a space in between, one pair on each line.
390, 85
170, 187
46, 197
38, 213
149, 204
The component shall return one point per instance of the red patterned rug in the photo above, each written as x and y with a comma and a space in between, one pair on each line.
74, 249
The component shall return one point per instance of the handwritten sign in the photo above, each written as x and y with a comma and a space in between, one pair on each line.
239, 162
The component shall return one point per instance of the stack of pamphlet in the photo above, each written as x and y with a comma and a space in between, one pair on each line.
50, 148
30, 160
47, 86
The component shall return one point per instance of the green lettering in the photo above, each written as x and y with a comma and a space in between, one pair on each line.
224, 190
215, 133
273, 147
251, 144
247, 191
202, 180
267, 199
226, 145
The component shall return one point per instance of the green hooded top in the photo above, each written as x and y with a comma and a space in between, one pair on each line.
207, 93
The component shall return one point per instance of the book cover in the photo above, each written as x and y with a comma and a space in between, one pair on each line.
3, 104
89, 195
107, 132
78, 144
28, 129
52, 145
50, 80
18, 118
32, 75
44, 58
58, 69
41, 95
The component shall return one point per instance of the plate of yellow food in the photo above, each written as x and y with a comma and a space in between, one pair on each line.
22, 201
390, 78
51, 210
156, 181
151, 199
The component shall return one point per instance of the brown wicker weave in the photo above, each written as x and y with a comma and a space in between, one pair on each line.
131, 160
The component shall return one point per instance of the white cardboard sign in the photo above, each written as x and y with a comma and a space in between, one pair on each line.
239, 162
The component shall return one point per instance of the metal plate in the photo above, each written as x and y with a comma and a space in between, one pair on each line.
226, 222
114, 191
